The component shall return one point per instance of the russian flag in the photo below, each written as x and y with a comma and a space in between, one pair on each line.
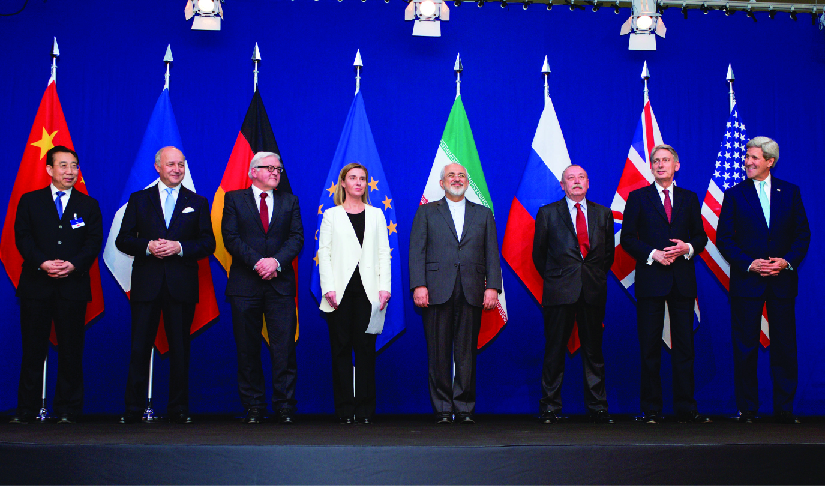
540, 185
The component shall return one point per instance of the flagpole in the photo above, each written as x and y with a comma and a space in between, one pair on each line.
645, 77
358, 65
256, 56
168, 60
730, 79
545, 70
458, 68
44, 412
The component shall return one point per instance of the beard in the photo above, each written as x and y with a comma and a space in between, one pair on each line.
456, 192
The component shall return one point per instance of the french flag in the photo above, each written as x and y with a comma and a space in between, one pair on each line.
540, 185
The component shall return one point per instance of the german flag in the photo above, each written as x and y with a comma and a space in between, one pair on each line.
255, 136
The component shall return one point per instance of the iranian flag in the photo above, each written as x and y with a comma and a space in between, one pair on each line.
458, 147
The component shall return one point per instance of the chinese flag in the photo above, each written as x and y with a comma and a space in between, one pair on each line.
49, 129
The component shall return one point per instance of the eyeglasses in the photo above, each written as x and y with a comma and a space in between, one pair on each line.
270, 168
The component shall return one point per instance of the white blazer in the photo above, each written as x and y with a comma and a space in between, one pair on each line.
339, 253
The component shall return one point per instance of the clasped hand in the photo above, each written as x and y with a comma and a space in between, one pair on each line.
267, 268
669, 254
161, 248
768, 268
57, 268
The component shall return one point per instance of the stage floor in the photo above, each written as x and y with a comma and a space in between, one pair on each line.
413, 450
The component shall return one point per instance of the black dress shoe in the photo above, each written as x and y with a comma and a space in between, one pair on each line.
285, 416
465, 419
67, 418
444, 418
131, 418
693, 418
788, 418
601, 417
345, 420
181, 418
253, 416
548, 417
746, 417
21, 419
650, 418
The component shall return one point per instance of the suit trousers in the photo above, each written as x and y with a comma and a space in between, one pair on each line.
248, 317
177, 322
36, 316
558, 325
650, 314
347, 338
746, 317
452, 330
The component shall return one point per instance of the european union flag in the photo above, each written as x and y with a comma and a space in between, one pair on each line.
357, 145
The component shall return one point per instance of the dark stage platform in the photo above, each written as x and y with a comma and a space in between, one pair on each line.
412, 450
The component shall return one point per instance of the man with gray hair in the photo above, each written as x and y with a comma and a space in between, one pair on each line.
454, 273
262, 230
763, 233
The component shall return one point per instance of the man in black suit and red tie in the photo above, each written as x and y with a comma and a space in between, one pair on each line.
58, 232
262, 230
167, 229
764, 235
573, 250
663, 232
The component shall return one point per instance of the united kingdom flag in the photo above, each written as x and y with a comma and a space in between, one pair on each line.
728, 171
637, 174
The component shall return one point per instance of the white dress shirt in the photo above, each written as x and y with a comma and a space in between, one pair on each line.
63, 199
661, 192
457, 210
163, 195
256, 193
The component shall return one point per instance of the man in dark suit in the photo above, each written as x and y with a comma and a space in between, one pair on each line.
454, 272
167, 229
262, 231
763, 233
58, 232
663, 232
573, 250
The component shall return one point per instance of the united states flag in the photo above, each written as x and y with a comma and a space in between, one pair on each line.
728, 172
637, 174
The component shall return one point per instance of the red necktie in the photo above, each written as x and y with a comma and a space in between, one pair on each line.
581, 231
264, 212
668, 207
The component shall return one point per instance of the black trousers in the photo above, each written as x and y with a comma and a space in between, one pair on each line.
347, 338
745, 324
248, 317
558, 325
36, 316
177, 321
452, 330
650, 314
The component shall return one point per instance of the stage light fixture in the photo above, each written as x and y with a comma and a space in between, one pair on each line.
480, 3
427, 15
644, 24
457, 3
616, 8
207, 13
526, 4
771, 12
596, 6
684, 10
751, 15
549, 5
503, 3
728, 11
704, 8
793, 14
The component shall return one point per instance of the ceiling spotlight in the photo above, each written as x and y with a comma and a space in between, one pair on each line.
385, 1
793, 14
684, 9
207, 13
549, 5
526, 4
574, 6
457, 3
728, 11
644, 24
771, 12
480, 3
503, 3
813, 16
616, 8
751, 15
704, 8
596, 6
427, 15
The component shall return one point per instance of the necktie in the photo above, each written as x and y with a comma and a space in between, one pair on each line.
763, 201
58, 201
668, 207
168, 206
581, 231
264, 212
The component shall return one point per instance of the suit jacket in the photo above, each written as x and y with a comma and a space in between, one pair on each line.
645, 228
558, 258
339, 253
244, 238
190, 225
40, 236
743, 236
437, 254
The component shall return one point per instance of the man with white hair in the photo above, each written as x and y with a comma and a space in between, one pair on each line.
262, 230
763, 233
454, 273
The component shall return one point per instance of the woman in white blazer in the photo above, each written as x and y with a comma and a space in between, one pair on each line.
354, 265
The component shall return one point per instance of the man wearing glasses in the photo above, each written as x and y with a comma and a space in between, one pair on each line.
262, 230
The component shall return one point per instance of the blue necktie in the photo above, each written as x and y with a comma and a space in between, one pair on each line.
763, 201
58, 201
168, 206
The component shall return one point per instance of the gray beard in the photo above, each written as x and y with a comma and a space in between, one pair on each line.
456, 192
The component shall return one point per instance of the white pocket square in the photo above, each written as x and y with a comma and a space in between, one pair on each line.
187, 210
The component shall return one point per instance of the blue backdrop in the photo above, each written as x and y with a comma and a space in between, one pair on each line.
111, 72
